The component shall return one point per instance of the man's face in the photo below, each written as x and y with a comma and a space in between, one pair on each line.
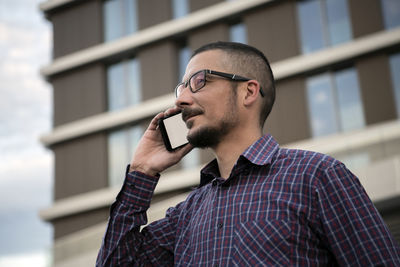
211, 113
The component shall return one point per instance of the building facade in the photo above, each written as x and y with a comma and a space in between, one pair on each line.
116, 62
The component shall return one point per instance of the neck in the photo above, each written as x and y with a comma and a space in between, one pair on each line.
231, 147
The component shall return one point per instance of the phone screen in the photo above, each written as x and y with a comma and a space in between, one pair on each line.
174, 131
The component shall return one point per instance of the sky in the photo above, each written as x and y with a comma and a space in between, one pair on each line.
25, 114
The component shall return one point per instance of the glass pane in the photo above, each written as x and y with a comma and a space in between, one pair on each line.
184, 57
391, 13
135, 133
124, 84
116, 157
321, 105
115, 85
395, 73
112, 24
121, 145
130, 18
120, 18
311, 25
349, 100
134, 93
338, 21
238, 33
180, 8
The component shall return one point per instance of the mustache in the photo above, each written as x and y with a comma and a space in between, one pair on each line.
187, 113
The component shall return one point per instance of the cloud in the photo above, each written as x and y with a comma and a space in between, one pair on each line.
25, 179
16, 68
25, 96
14, 34
25, 114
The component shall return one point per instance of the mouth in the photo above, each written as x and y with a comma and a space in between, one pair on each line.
190, 113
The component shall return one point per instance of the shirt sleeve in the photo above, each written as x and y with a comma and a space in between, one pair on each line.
354, 230
124, 244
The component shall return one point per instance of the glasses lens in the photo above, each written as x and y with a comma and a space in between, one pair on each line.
179, 88
198, 81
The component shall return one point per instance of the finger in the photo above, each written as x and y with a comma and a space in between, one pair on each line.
154, 122
172, 111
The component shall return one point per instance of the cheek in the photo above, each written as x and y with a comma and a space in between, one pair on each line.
215, 105
215, 115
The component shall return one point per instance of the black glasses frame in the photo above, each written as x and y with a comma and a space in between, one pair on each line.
229, 76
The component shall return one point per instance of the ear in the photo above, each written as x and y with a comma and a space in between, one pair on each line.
251, 93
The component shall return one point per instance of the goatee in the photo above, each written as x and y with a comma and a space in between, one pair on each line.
205, 137
211, 136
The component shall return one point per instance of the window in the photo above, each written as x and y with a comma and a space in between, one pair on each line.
184, 57
334, 102
120, 18
323, 23
180, 8
395, 70
391, 13
123, 84
351, 113
238, 33
121, 145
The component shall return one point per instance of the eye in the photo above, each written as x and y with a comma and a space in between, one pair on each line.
198, 81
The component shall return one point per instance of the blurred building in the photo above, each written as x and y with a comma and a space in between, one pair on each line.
116, 62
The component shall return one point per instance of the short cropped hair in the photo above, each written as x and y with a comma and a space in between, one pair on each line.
249, 62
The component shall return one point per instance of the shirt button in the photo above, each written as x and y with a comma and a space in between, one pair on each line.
219, 225
214, 182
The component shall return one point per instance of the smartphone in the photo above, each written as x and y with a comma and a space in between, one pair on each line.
174, 131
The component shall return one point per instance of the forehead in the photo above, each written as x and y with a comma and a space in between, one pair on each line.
212, 59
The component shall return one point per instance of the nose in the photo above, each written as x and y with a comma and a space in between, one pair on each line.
184, 99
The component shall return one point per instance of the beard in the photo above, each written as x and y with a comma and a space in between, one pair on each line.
210, 136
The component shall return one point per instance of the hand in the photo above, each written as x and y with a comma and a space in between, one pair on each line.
151, 157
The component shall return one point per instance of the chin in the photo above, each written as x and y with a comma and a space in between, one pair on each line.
204, 137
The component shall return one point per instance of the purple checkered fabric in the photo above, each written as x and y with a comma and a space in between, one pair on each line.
279, 207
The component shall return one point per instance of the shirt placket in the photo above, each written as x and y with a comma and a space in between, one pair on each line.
221, 230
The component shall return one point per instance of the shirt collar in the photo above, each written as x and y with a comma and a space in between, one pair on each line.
259, 153
262, 151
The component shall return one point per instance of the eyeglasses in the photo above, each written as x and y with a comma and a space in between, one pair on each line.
198, 81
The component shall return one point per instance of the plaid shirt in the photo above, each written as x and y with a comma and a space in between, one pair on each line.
279, 207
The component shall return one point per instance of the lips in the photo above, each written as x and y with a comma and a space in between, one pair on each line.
189, 113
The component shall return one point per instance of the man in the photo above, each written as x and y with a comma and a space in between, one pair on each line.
257, 204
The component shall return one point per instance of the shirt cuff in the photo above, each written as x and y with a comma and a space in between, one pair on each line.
138, 188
